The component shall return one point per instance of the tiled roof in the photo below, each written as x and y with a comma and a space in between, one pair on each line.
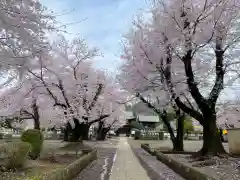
141, 108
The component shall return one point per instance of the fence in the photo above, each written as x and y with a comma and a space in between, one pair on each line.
152, 134
149, 135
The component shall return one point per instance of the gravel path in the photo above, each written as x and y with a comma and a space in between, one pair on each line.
156, 170
100, 169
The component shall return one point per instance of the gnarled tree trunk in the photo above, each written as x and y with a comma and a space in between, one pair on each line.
102, 131
207, 115
37, 124
85, 131
212, 144
80, 131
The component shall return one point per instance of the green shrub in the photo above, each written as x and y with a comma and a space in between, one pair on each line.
14, 154
35, 138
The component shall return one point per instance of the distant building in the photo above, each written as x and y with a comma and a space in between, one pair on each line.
148, 121
138, 121
128, 115
141, 109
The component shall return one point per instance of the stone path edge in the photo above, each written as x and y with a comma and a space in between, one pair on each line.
153, 175
187, 172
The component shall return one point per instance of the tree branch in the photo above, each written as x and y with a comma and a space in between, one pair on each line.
99, 119
95, 98
192, 85
23, 111
218, 85
192, 112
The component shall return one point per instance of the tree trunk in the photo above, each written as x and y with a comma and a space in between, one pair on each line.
178, 145
117, 132
36, 117
67, 132
101, 135
100, 130
168, 126
104, 134
36, 123
75, 132
212, 144
79, 132
178, 142
85, 131
75, 135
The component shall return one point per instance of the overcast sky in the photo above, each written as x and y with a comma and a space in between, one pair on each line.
104, 23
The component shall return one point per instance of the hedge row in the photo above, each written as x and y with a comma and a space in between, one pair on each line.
184, 170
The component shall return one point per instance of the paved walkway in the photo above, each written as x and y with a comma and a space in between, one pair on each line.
100, 168
126, 165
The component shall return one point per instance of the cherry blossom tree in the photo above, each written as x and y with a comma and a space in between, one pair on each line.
83, 93
183, 38
141, 78
24, 25
158, 100
26, 98
59, 75
228, 114
117, 100
209, 26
